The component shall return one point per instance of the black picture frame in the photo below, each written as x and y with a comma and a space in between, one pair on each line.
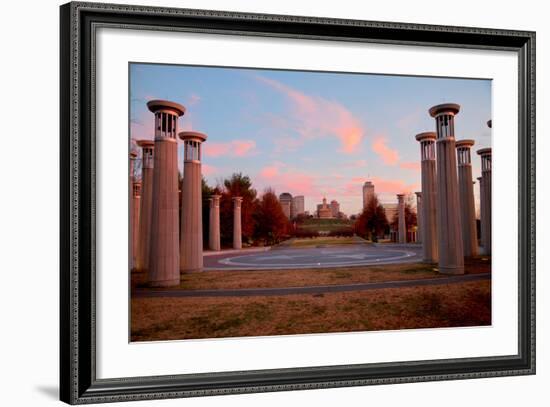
78, 382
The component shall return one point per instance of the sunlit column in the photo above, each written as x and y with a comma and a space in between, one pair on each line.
449, 231
429, 196
163, 267
237, 228
401, 227
214, 235
485, 154
191, 203
466, 196
147, 148
419, 216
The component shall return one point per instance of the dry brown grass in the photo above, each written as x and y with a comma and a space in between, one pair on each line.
454, 305
213, 280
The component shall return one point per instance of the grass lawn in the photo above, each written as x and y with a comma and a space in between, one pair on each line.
456, 305
210, 280
321, 241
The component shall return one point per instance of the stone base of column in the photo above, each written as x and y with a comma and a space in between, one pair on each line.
165, 283
451, 270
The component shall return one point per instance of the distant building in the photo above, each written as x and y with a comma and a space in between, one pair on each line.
334, 208
368, 193
324, 211
391, 211
286, 203
298, 206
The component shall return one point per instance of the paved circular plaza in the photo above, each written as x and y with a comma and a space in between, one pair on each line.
316, 257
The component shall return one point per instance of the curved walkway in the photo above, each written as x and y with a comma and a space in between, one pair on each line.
314, 257
318, 289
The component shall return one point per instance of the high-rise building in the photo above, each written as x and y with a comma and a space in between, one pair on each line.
391, 211
334, 208
368, 192
298, 206
286, 202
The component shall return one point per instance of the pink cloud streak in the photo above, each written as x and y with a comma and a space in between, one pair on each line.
234, 148
314, 116
388, 155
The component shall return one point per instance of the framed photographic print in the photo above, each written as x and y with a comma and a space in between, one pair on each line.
255, 203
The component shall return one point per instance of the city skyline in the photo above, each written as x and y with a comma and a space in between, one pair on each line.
314, 134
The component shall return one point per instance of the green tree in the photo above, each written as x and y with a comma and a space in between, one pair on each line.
237, 185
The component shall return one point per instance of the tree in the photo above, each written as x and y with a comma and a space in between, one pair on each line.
271, 222
372, 221
207, 193
410, 216
237, 185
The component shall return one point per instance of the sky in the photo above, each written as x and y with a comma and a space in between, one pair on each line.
316, 134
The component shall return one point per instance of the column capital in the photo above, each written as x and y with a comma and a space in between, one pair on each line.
444, 108
464, 143
158, 105
418, 194
484, 151
426, 136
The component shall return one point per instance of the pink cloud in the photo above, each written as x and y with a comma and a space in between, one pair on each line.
381, 186
270, 171
209, 169
314, 116
193, 100
388, 155
410, 165
234, 148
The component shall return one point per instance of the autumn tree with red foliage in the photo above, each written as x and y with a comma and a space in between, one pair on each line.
271, 223
372, 221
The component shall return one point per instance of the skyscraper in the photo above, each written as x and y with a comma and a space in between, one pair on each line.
286, 202
298, 206
368, 192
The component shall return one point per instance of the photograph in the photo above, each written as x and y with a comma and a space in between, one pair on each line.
266, 202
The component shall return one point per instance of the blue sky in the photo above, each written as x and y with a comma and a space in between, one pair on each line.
311, 133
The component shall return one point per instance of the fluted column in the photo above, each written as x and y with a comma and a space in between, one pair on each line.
146, 208
466, 195
486, 198
429, 196
419, 217
214, 236
449, 231
136, 198
481, 211
401, 226
191, 259
237, 228
131, 178
163, 267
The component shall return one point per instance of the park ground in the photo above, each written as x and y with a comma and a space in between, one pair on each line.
217, 308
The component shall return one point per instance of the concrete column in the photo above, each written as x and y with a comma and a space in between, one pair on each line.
146, 208
191, 203
214, 236
237, 233
131, 233
449, 230
429, 196
401, 226
163, 270
485, 154
481, 210
136, 197
466, 196
419, 217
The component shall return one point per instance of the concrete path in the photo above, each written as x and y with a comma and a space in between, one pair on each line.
319, 289
315, 257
